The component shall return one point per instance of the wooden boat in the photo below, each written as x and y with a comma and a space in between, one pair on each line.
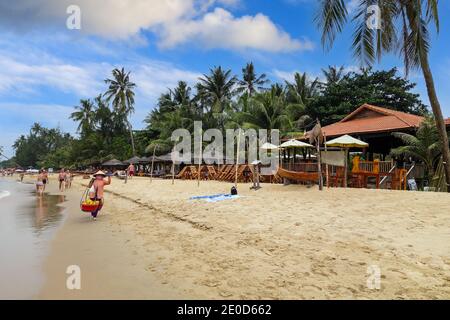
298, 176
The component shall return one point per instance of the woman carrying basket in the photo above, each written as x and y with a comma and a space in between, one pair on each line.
97, 190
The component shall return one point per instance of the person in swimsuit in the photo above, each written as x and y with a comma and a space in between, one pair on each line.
61, 178
96, 191
40, 183
67, 179
45, 180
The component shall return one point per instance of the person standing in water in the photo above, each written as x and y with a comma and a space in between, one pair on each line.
45, 180
62, 179
40, 183
96, 191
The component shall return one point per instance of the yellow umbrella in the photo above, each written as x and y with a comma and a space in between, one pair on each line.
347, 142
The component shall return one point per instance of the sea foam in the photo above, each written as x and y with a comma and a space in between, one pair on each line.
4, 194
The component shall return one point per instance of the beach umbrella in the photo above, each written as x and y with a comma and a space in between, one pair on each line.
347, 142
295, 144
269, 146
113, 163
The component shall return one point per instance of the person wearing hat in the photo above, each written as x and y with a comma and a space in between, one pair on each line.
97, 190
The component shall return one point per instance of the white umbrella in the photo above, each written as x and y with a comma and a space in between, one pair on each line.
295, 144
269, 146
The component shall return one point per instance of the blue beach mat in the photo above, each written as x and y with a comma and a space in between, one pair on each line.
215, 197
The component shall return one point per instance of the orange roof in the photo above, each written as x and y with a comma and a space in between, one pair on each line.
368, 118
447, 122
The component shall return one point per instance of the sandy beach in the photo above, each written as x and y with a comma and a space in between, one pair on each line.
281, 242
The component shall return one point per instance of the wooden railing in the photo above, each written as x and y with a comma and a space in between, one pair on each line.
372, 166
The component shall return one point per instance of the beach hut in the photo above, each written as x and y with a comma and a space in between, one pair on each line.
113, 163
346, 142
134, 160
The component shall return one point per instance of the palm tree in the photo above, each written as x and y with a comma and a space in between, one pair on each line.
302, 90
251, 82
404, 31
267, 110
85, 115
333, 75
216, 89
425, 146
121, 92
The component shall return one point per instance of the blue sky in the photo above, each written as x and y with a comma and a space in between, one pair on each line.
47, 69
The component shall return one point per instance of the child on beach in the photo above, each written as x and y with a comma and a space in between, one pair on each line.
97, 190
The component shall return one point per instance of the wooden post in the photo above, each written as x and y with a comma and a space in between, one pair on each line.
173, 170
237, 158
346, 168
319, 165
153, 161
327, 174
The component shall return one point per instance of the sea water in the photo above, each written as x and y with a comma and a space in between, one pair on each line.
27, 224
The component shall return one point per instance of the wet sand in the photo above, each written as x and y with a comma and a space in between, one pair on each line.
27, 224
281, 242
110, 267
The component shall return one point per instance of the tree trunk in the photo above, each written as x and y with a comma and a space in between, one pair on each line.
439, 118
132, 138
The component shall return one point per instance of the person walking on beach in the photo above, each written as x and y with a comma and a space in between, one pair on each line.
130, 170
68, 179
61, 178
45, 179
96, 191
40, 183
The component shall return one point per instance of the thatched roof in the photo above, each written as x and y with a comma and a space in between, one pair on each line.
113, 163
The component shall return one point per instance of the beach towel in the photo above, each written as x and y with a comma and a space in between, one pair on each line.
215, 197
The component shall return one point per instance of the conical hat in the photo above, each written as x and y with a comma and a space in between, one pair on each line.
99, 173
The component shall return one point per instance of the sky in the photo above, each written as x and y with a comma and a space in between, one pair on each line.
46, 68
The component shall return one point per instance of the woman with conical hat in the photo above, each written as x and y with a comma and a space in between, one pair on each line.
96, 191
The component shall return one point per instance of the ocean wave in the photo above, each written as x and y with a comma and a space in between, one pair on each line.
4, 194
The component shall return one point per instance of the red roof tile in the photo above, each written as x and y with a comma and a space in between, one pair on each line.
379, 120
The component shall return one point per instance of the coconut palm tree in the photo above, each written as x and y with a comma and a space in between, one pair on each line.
85, 116
216, 89
333, 74
302, 90
404, 30
251, 82
425, 146
267, 110
121, 92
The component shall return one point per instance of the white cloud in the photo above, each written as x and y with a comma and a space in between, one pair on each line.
23, 77
174, 22
220, 29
